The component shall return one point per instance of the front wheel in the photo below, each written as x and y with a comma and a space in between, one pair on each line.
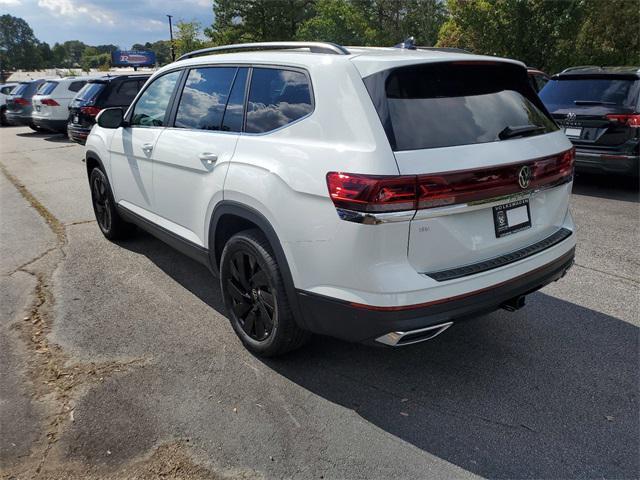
111, 224
255, 297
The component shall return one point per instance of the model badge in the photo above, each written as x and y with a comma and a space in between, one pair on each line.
571, 117
524, 177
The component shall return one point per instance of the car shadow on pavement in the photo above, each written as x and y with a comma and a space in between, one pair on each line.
613, 187
46, 136
550, 391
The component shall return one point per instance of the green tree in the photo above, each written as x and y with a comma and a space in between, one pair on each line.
609, 35
336, 21
537, 32
73, 52
18, 44
187, 37
257, 20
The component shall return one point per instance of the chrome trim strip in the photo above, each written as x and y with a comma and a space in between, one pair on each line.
394, 339
366, 218
600, 155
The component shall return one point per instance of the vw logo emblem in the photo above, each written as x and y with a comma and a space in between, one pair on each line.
571, 116
524, 177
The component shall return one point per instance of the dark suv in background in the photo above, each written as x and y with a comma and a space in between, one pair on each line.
105, 92
599, 110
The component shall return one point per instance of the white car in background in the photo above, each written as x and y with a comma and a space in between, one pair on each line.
5, 89
51, 102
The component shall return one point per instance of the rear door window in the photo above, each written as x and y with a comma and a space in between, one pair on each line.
569, 92
6, 90
205, 97
277, 98
447, 104
47, 88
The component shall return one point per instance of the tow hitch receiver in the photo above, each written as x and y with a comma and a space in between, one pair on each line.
513, 304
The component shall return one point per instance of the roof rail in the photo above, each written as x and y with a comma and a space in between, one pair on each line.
445, 49
314, 47
579, 67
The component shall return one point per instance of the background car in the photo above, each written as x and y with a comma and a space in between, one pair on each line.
599, 109
537, 78
99, 93
51, 102
19, 106
5, 89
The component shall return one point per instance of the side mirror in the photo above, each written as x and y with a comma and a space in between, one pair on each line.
110, 117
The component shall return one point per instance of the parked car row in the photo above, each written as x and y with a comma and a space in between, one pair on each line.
67, 105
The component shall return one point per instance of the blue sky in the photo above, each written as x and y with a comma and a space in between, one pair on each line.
95, 22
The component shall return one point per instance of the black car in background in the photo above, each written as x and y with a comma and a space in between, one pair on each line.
104, 92
599, 110
19, 108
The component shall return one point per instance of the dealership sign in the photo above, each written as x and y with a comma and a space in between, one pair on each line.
133, 58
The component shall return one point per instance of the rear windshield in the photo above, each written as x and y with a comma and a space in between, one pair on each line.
90, 91
447, 104
568, 92
46, 88
122, 93
19, 89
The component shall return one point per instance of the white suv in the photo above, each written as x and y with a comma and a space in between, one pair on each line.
51, 102
372, 194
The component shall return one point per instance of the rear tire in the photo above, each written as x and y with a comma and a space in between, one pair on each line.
3, 117
109, 221
35, 128
255, 297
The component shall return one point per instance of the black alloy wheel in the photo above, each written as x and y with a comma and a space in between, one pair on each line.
255, 296
101, 202
111, 224
252, 296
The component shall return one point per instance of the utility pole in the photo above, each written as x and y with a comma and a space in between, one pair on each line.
173, 50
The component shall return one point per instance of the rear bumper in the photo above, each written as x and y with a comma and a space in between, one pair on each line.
18, 119
49, 124
363, 323
612, 163
78, 134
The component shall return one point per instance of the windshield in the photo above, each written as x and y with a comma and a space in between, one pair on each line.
563, 93
90, 91
446, 104
46, 88
19, 89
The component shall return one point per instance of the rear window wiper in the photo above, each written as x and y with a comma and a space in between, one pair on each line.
593, 102
519, 131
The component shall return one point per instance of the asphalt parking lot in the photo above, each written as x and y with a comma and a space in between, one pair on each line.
118, 362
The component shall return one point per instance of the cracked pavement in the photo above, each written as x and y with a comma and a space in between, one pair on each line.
117, 361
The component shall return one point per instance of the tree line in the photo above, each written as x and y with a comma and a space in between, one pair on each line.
548, 34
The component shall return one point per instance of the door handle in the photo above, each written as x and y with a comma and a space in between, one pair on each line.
208, 158
147, 147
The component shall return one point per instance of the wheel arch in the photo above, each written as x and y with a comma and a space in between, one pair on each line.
92, 160
231, 217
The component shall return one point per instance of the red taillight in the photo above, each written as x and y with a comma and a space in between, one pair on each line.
49, 102
91, 111
625, 119
368, 193
20, 101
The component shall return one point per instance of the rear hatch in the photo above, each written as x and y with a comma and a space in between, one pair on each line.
15, 100
492, 169
83, 108
42, 102
597, 111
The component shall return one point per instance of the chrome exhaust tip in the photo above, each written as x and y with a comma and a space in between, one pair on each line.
400, 339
